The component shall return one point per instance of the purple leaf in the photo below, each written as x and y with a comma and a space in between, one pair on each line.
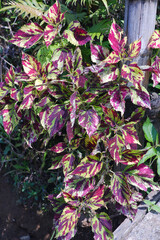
134, 49
156, 71
31, 66
89, 120
130, 156
59, 148
102, 227
115, 38
67, 221
68, 163
155, 40
120, 188
76, 34
10, 76
133, 74
115, 145
117, 99
111, 116
54, 15
28, 35
69, 130
88, 167
140, 97
56, 119
50, 33
79, 187
98, 53
10, 117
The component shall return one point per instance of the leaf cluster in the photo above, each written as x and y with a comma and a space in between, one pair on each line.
73, 107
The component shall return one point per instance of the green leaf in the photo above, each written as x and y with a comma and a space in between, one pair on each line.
152, 205
149, 203
149, 154
149, 131
156, 208
158, 160
106, 5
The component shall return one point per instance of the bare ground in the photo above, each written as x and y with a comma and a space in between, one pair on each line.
17, 221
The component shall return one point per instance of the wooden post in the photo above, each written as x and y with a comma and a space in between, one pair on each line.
139, 22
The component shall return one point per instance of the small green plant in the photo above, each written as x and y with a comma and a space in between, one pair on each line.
152, 145
152, 205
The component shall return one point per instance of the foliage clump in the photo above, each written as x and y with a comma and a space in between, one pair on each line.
76, 110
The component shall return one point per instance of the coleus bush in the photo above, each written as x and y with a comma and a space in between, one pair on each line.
79, 107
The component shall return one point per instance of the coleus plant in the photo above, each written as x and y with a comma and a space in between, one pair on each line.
79, 107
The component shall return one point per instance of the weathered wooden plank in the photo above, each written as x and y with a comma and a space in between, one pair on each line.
139, 22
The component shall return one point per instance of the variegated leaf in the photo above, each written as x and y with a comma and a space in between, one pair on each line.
59, 148
89, 120
79, 187
156, 71
28, 35
43, 116
54, 15
134, 49
15, 94
56, 119
31, 132
10, 76
88, 167
75, 143
69, 235
129, 133
91, 142
133, 74
114, 57
110, 73
94, 199
69, 130
50, 32
115, 145
117, 99
102, 227
74, 62
98, 53
75, 102
88, 96
31, 66
141, 97
28, 98
71, 200
56, 163
4, 90
59, 57
130, 156
142, 177
142, 184
120, 188
68, 163
76, 34
10, 117
136, 115
67, 221
115, 38
155, 40
111, 116
142, 170
58, 205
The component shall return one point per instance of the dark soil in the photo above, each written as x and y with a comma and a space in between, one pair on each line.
17, 221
